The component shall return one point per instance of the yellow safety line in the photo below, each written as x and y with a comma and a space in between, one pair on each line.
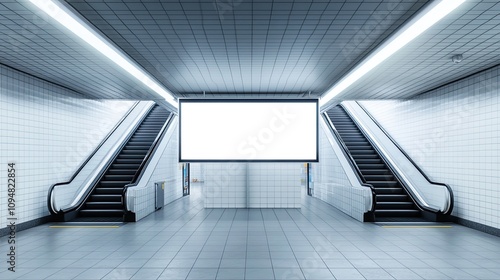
416, 226
84, 226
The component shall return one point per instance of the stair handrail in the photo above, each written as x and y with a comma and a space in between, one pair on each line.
111, 158
351, 160
50, 199
416, 197
140, 171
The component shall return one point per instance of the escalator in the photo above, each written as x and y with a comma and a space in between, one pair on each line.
105, 203
392, 201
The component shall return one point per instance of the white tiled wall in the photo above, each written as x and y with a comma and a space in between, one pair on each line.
453, 133
166, 169
225, 185
274, 185
252, 185
330, 182
48, 131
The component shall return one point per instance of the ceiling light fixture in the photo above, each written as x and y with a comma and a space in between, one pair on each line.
72, 22
416, 26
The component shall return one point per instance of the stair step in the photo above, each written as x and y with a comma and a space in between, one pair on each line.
391, 197
111, 191
101, 213
371, 166
395, 205
375, 171
384, 184
121, 171
124, 166
378, 177
384, 191
397, 213
363, 152
116, 177
129, 160
106, 197
107, 184
368, 161
369, 156
104, 205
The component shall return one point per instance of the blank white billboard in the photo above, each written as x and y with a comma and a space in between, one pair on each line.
248, 130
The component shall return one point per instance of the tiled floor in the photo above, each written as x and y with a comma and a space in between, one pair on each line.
186, 241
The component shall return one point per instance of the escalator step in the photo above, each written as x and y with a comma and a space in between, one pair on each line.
395, 205
110, 177
121, 171
391, 197
379, 177
384, 184
124, 166
368, 161
397, 213
363, 152
113, 183
129, 160
384, 171
101, 213
371, 166
369, 156
104, 205
384, 191
106, 197
100, 190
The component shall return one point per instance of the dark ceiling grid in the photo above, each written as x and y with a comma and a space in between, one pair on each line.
259, 48
427, 62
395, 15
38, 47
291, 69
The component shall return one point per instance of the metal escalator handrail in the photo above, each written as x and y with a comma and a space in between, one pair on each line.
450, 191
140, 171
103, 170
351, 160
50, 203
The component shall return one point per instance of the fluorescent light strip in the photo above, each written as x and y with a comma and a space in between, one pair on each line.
410, 31
68, 20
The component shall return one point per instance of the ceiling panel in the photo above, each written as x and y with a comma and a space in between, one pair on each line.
35, 44
255, 47
473, 31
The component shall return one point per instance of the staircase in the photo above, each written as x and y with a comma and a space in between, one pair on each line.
392, 200
105, 203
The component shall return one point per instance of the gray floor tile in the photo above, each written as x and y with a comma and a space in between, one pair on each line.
315, 273
284, 263
231, 273
346, 274
148, 273
202, 273
259, 273
403, 273
233, 263
174, 273
93, 273
66, 273
207, 263
288, 274
121, 273
258, 263
375, 273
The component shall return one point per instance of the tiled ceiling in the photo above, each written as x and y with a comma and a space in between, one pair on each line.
243, 48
